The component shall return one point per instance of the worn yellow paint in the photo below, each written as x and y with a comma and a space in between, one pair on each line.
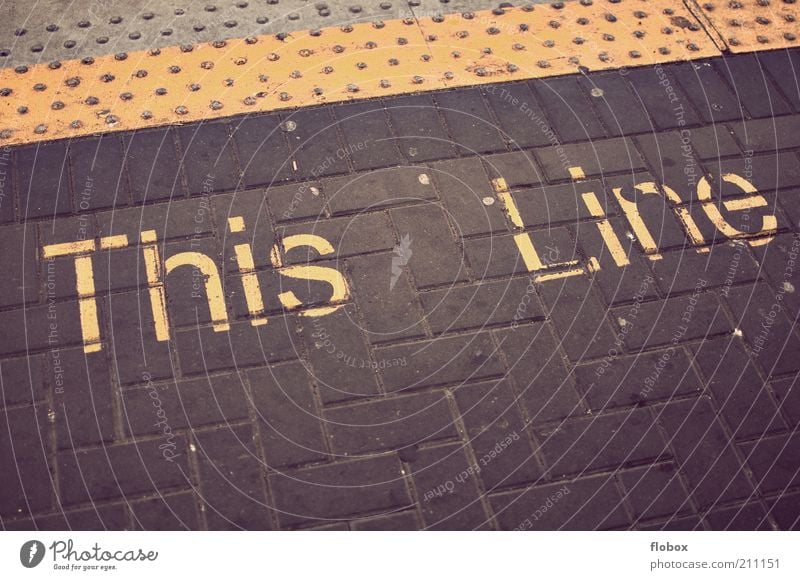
510, 206
365, 60
212, 282
576, 173
559, 275
114, 242
155, 283
750, 25
635, 220
250, 283
236, 224
769, 222
68, 249
340, 291
606, 231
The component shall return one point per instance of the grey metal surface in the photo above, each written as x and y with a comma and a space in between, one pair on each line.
46, 30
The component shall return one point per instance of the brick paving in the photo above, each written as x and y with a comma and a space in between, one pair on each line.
453, 387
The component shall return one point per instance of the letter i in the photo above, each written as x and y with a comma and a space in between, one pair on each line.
252, 288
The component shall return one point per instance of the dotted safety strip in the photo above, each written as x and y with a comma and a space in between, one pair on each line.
188, 83
751, 25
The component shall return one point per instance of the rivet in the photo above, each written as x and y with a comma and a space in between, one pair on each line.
194, 87
230, 24
393, 62
219, 44
154, 52
181, 110
789, 36
40, 129
140, 74
317, 91
582, 21
228, 82
603, 56
549, 43
107, 77
468, 15
146, 115
111, 119
263, 78
161, 91
554, 24
39, 87
361, 65
762, 39
91, 101
378, 24
543, 64
239, 61
346, 28
4, 92
174, 69
51, 28
37, 48
22, 110
608, 37
370, 45
692, 47
273, 57
524, 27
304, 52
6, 134
578, 40
402, 41
417, 80
249, 100
351, 88
282, 36
455, 54
121, 56
126, 96
76, 124
87, 60
187, 47
385, 84
296, 74
425, 58
448, 75
22, 69
635, 54
54, 65
135, 35
492, 30
511, 67
518, 46
480, 71
285, 97
206, 65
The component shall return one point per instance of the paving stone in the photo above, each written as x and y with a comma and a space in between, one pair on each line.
388, 303
167, 512
777, 259
619, 381
469, 122
177, 219
617, 106
152, 163
536, 365
137, 355
338, 490
663, 99
557, 204
401, 521
711, 96
314, 143
186, 297
441, 361
767, 330
787, 392
588, 503
369, 142
677, 158
98, 177
183, 404
676, 320
578, 317
263, 150
83, 398
289, 423
786, 510
568, 109
420, 134
782, 66
252, 207
340, 359
400, 423
500, 256
774, 460
495, 429
767, 173
600, 442
459, 509
23, 454
377, 189
95, 518
768, 135
208, 160
520, 117
518, 168
703, 452
654, 491
747, 517
202, 350
18, 284
295, 201
478, 306
722, 266
232, 480
39, 335
349, 236
8, 183
737, 388
146, 470
597, 158
22, 380
752, 85
462, 185
431, 253
43, 180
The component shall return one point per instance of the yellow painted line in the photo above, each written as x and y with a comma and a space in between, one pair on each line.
751, 25
267, 73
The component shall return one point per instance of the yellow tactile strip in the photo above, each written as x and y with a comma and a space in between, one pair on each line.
192, 83
751, 25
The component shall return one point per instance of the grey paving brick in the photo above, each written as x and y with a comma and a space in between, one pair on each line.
775, 461
378, 188
663, 99
617, 106
598, 157
167, 512
208, 160
369, 142
401, 521
341, 489
654, 491
786, 510
459, 509
746, 517
711, 96
316, 149
703, 453
441, 361
787, 391
295, 201
176, 219
568, 109
782, 67
588, 503
98, 177
22, 380
420, 134
519, 115
263, 150
752, 85
469, 122
722, 266
43, 180
232, 480
152, 163
289, 423
18, 285
391, 423
768, 135
39, 335
518, 168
